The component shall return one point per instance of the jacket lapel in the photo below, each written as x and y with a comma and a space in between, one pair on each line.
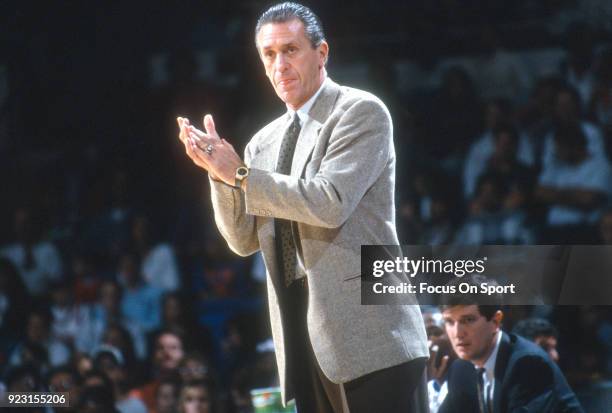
318, 114
501, 364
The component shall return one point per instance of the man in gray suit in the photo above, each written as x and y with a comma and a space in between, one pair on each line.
316, 184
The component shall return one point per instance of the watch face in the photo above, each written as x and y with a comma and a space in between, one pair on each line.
242, 171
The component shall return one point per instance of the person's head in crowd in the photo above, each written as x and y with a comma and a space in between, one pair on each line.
82, 363
109, 360
472, 321
61, 294
570, 143
97, 394
506, 140
86, 281
34, 353
196, 397
541, 332
489, 196
167, 395
544, 96
605, 227
568, 107
143, 233
23, 378
129, 270
168, 351
194, 366
109, 297
497, 111
434, 325
38, 325
64, 379
173, 310
118, 336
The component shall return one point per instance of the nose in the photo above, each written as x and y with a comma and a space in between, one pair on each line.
280, 63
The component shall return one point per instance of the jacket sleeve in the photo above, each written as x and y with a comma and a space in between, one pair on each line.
237, 227
359, 148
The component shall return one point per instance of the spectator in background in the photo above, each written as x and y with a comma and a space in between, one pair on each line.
140, 301
541, 332
38, 333
64, 379
72, 323
110, 361
569, 112
197, 397
575, 185
97, 395
37, 260
107, 312
167, 354
495, 216
194, 366
86, 281
118, 336
178, 314
500, 73
158, 262
24, 378
82, 363
537, 116
497, 112
167, 395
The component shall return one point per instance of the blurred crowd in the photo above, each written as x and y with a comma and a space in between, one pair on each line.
114, 283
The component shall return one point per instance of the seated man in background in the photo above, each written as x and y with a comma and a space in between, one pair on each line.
574, 186
498, 372
541, 332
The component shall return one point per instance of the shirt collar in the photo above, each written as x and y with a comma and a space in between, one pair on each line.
490, 363
303, 110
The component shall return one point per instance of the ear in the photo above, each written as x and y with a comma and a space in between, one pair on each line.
497, 318
323, 50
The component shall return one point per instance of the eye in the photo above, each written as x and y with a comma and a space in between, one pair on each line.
269, 54
292, 49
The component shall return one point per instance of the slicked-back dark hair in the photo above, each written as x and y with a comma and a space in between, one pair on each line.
284, 12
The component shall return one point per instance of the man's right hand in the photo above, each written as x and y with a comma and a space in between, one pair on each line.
187, 137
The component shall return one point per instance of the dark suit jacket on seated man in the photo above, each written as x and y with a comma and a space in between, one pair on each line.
498, 372
316, 184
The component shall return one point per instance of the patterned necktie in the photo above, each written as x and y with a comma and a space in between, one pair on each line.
284, 238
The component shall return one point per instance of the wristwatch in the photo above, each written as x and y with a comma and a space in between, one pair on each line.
241, 173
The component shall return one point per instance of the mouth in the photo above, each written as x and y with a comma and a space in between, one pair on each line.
285, 82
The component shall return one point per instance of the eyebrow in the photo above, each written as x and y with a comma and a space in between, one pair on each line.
284, 45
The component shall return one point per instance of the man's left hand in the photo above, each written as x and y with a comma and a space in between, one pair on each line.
217, 153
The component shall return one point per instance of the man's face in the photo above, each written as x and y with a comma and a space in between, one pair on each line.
168, 352
196, 400
471, 334
549, 345
293, 66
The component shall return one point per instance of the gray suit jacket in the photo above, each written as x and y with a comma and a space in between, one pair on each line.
340, 195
